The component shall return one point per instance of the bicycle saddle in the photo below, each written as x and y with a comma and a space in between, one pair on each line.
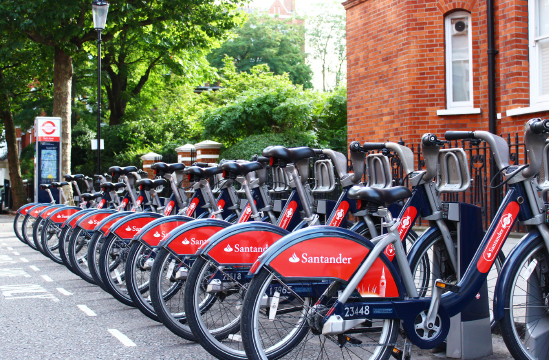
148, 184
201, 164
56, 185
107, 186
92, 196
243, 168
381, 197
46, 186
262, 159
68, 177
288, 155
201, 173
117, 170
167, 168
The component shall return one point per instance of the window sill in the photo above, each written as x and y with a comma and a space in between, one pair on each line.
528, 110
459, 111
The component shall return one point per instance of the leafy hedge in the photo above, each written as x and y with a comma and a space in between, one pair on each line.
255, 144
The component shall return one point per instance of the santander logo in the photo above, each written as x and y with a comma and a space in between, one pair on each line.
306, 259
498, 237
228, 248
157, 234
134, 228
194, 241
406, 221
339, 214
245, 249
169, 208
61, 216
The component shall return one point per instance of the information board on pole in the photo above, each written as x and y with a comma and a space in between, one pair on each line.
48, 155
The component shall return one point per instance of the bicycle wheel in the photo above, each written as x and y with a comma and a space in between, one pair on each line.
167, 293
77, 251
49, 241
112, 264
94, 250
27, 230
524, 326
37, 230
214, 318
63, 245
18, 226
138, 273
433, 262
295, 330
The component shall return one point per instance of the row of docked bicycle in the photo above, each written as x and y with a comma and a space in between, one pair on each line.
225, 263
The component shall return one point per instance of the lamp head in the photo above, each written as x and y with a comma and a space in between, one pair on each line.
99, 13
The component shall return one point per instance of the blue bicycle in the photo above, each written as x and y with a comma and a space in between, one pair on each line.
350, 320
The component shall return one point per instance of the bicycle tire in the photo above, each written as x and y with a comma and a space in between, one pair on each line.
527, 282
303, 343
163, 289
64, 238
138, 275
115, 249
77, 251
49, 241
94, 249
17, 227
37, 230
27, 231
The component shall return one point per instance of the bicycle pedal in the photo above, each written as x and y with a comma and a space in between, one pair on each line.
346, 339
397, 353
447, 286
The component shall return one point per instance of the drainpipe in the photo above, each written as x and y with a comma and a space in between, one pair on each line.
491, 53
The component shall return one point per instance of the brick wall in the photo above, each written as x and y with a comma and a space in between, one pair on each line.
396, 68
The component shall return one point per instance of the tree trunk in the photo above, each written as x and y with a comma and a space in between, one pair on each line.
63, 74
16, 183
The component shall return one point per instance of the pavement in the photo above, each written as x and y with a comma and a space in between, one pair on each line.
47, 312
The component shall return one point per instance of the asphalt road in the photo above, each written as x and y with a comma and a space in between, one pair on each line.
47, 312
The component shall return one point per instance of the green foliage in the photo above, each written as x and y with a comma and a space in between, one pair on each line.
267, 40
261, 103
255, 144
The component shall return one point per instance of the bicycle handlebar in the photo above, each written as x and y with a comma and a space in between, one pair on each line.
459, 135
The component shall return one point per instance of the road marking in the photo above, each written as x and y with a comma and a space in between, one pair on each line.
10, 248
13, 272
23, 260
86, 310
34, 268
4, 244
121, 337
47, 278
64, 292
16, 253
8, 291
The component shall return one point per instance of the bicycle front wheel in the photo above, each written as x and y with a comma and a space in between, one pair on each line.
49, 241
524, 326
112, 265
138, 274
77, 251
18, 227
27, 230
293, 330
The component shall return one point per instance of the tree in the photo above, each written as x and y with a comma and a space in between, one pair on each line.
20, 73
279, 43
66, 25
326, 40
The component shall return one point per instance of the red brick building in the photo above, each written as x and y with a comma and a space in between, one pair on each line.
417, 66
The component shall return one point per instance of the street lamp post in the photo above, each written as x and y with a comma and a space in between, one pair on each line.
99, 15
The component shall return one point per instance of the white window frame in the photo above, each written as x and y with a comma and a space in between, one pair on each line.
533, 23
465, 105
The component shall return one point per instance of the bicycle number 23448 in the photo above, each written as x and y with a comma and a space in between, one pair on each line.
357, 310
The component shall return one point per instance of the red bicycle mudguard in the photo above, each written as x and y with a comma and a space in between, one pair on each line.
25, 208
127, 227
242, 244
157, 230
60, 215
324, 252
186, 239
89, 221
